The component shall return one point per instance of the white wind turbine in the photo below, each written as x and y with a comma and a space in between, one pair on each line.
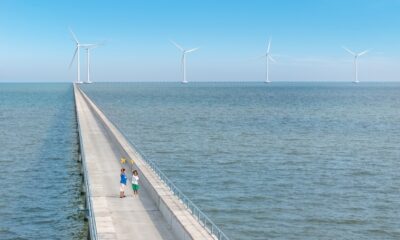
76, 53
267, 58
78, 45
355, 55
184, 52
88, 47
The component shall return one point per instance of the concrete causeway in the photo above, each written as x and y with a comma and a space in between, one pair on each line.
155, 214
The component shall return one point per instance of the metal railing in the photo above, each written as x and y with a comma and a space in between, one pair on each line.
90, 215
201, 217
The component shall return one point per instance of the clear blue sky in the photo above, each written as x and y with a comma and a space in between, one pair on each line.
307, 36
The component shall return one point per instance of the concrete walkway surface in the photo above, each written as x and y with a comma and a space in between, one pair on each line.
134, 217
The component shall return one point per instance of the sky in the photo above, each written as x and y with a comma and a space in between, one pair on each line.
307, 39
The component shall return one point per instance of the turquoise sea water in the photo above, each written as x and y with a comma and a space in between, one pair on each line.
278, 161
39, 174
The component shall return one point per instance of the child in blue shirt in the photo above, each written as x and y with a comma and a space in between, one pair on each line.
122, 183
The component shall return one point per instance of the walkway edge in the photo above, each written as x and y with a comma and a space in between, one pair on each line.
92, 234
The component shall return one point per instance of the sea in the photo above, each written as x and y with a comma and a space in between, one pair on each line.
40, 182
285, 160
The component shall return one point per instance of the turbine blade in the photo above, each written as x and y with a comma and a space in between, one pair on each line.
73, 57
269, 45
272, 59
177, 45
91, 45
191, 50
362, 53
351, 52
95, 46
74, 36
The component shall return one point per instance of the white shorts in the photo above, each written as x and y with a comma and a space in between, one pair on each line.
122, 187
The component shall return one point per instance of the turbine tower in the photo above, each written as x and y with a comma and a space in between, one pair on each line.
88, 47
267, 58
183, 61
355, 55
78, 45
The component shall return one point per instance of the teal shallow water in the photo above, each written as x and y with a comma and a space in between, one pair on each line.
40, 181
278, 161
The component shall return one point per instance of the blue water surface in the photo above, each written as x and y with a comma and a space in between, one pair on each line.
39, 173
276, 161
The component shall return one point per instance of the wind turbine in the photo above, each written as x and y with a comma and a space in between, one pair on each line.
77, 52
78, 45
184, 52
355, 55
88, 47
267, 58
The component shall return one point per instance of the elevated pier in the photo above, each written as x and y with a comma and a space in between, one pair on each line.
160, 212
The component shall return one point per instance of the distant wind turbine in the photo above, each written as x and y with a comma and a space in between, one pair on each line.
184, 52
355, 55
88, 47
76, 54
78, 45
267, 58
